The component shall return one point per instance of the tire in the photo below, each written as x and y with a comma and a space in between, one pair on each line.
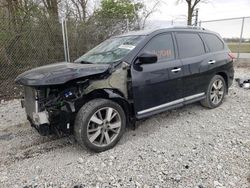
212, 92
99, 125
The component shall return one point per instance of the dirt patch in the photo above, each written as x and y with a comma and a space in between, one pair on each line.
242, 63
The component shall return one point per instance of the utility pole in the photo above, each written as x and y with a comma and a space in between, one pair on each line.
240, 41
195, 15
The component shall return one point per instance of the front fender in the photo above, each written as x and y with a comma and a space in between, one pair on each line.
116, 96
107, 93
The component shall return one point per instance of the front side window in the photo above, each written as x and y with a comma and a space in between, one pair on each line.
162, 46
111, 50
189, 45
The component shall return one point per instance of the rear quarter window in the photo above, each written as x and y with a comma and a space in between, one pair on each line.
213, 42
189, 45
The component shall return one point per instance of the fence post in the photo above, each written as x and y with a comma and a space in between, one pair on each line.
196, 17
65, 40
240, 41
200, 23
127, 24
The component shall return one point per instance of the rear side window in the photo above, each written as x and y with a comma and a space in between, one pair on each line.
213, 42
162, 46
189, 45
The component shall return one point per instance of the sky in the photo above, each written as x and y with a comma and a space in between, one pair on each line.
168, 10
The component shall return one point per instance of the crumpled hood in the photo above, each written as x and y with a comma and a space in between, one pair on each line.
59, 73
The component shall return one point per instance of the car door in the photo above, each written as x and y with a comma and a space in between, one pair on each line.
192, 53
218, 54
157, 86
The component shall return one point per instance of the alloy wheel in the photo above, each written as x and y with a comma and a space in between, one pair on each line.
217, 92
104, 126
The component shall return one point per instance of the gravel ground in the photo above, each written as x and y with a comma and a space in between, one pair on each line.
188, 147
11, 113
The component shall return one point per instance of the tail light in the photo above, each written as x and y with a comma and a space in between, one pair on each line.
231, 55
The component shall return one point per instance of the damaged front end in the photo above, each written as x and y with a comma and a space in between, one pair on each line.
52, 109
52, 100
51, 92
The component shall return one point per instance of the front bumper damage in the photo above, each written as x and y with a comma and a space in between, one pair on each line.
57, 122
46, 120
38, 120
41, 118
41, 122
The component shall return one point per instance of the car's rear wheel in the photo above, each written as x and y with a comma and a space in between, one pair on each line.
215, 92
99, 125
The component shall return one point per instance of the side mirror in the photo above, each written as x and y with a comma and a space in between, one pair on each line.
147, 58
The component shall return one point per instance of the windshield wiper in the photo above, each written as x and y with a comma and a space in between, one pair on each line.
84, 62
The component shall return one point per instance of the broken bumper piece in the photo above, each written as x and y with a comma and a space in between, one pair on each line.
41, 118
40, 121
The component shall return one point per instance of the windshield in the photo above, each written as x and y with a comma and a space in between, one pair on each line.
111, 50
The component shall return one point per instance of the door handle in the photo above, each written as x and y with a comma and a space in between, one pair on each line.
176, 70
211, 62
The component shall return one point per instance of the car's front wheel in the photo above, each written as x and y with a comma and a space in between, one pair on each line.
99, 124
215, 92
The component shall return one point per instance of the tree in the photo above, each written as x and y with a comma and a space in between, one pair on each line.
145, 12
18, 11
192, 4
119, 9
52, 8
117, 16
81, 9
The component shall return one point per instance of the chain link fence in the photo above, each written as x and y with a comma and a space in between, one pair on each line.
82, 36
25, 44
235, 31
28, 44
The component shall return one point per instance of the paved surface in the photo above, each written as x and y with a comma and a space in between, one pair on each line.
243, 55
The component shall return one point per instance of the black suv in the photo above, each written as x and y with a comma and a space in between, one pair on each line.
124, 79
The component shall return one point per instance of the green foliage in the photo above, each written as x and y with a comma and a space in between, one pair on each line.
119, 9
116, 17
244, 47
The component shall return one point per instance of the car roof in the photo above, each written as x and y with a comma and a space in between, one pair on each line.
140, 32
179, 28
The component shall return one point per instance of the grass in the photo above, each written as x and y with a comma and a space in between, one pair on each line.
244, 48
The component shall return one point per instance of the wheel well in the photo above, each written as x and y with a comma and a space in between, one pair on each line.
224, 75
115, 96
128, 110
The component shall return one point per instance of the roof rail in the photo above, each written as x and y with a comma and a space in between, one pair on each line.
189, 27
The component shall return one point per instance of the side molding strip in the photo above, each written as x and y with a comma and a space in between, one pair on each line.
171, 103
193, 96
